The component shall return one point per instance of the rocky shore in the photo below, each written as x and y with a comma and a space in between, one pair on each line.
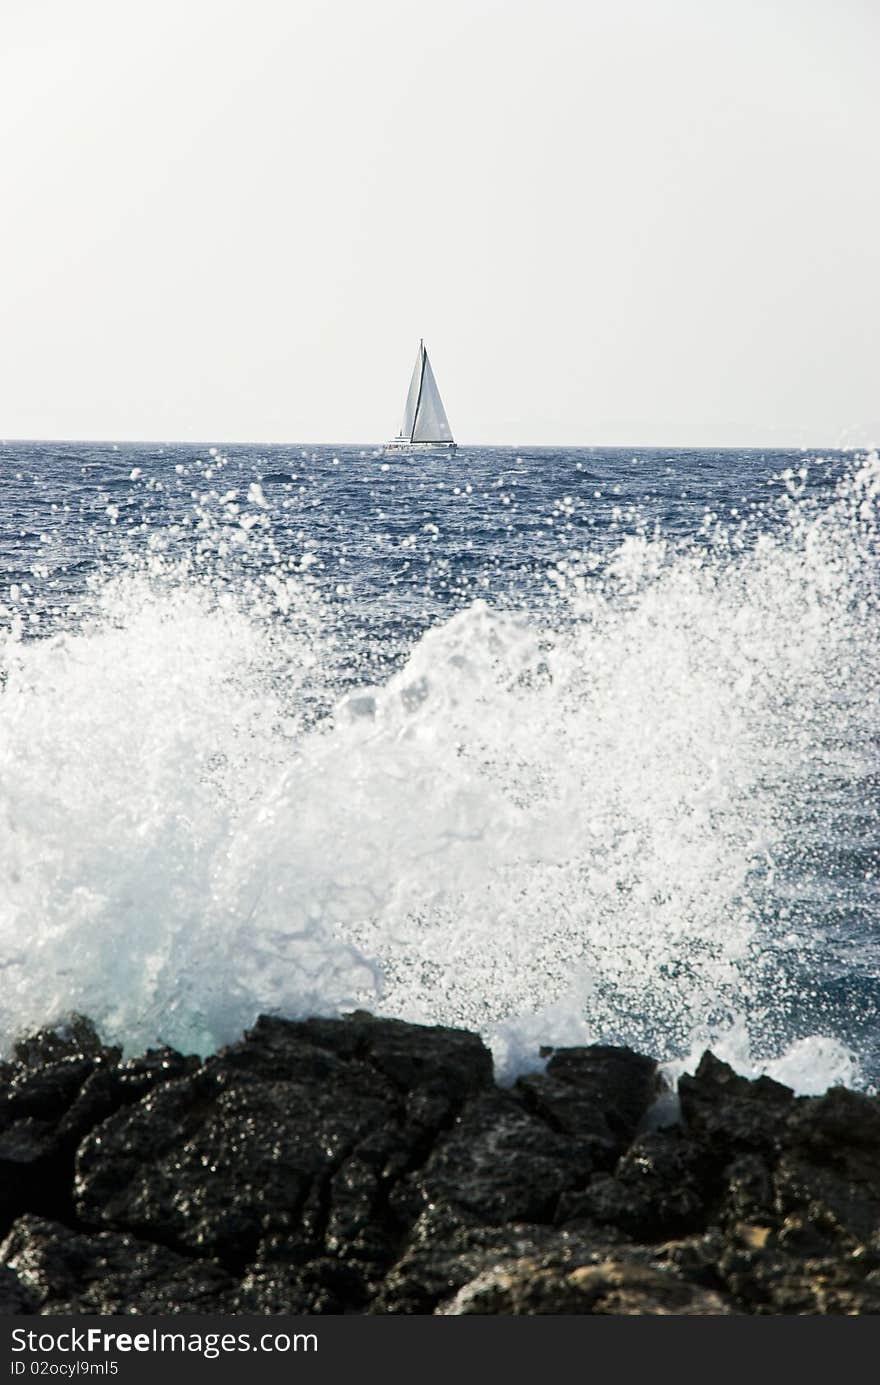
370, 1166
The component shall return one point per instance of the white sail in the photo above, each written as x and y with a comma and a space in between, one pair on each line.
431, 423
424, 417
412, 398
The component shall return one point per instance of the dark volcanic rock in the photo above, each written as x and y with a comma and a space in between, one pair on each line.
430, 1059
453, 1265
76, 1037
597, 1095
747, 1191
730, 1113
63, 1272
15, 1297
60, 1085
830, 1162
366, 1165
660, 1188
324, 1285
517, 1157
624, 1285
285, 1144
499, 1163
447, 1249
46, 1093
774, 1273
216, 1161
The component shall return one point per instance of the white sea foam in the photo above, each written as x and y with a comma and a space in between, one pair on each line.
808, 1065
549, 833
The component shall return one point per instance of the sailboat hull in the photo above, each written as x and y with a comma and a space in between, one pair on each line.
404, 445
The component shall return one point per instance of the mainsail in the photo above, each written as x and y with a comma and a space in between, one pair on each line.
424, 418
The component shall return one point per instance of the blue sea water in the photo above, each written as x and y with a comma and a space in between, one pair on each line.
559, 744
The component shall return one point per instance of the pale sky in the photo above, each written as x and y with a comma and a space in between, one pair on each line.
637, 221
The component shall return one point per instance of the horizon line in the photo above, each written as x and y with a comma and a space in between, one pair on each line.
378, 446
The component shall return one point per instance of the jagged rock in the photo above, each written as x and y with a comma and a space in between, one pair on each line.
138, 1076
499, 1163
447, 1249
46, 1093
290, 1137
15, 1297
430, 1059
758, 1266
624, 1285
454, 1269
325, 1285
661, 1187
75, 1037
596, 1095
61, 1271
838, 1120
831, 1161
62, 1083
748, 1193
214, 1162
366, 1165
695, 1258
730, 1113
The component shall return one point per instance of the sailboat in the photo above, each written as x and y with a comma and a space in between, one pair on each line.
425, 425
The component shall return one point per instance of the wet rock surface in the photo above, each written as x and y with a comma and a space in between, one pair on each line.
370, 1166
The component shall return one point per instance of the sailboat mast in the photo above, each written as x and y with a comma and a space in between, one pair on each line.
423, 356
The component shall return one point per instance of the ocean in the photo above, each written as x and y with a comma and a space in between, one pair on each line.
562, 745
